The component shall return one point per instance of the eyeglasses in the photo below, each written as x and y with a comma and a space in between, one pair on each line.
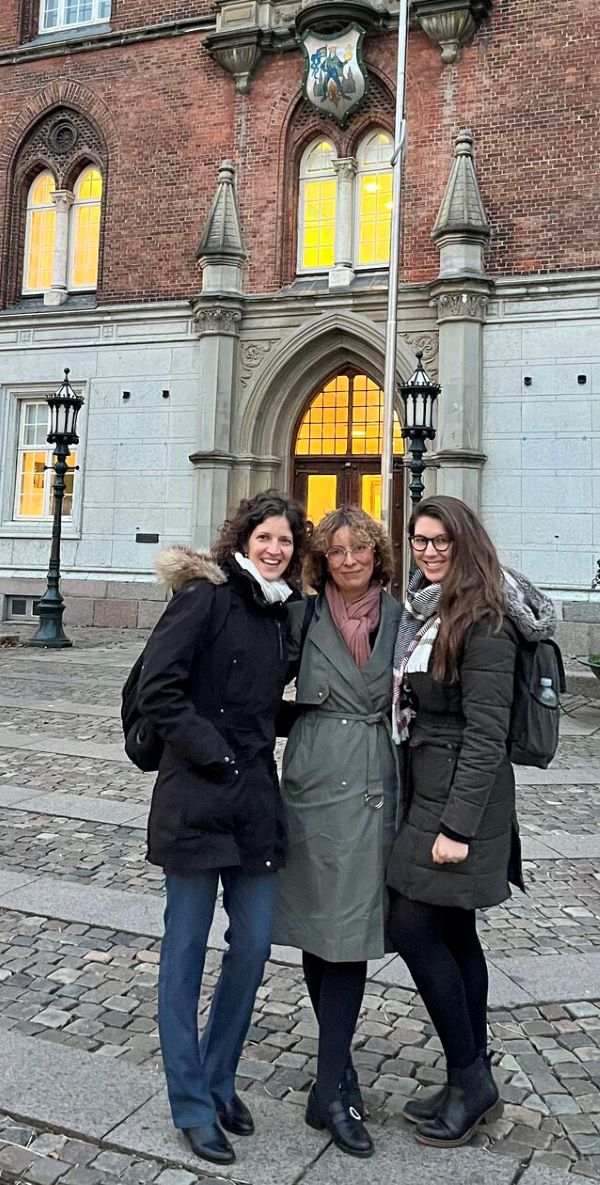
441, 543
337, 555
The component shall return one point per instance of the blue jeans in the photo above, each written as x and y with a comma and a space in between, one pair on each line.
201, 1074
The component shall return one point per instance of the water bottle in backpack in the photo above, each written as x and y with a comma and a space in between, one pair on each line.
547, 694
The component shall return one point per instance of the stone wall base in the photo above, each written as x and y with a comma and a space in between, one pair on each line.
109, 604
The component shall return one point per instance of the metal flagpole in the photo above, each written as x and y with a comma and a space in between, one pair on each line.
389, 379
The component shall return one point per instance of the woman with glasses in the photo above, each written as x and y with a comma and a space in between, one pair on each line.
458, 846
339, 785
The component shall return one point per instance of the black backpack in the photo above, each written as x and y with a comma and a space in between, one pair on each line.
143, 745
535, 716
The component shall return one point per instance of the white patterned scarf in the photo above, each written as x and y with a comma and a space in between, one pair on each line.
417, 632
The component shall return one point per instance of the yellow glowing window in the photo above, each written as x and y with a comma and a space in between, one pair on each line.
374, 199
40, 235
321, 495
33, 489
85, 230
317, 207
346, 417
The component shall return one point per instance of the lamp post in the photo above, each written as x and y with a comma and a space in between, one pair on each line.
64, 407
419, 397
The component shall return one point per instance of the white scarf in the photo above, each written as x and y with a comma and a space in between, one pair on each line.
272, 590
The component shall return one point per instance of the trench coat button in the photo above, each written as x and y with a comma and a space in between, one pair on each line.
320, 695
344, 783
344, 721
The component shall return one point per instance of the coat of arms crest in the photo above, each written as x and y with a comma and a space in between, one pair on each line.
335, 78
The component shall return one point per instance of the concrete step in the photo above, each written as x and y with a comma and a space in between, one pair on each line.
581, 681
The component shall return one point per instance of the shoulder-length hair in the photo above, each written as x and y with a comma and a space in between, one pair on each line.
251, 512
364, 529
474, 585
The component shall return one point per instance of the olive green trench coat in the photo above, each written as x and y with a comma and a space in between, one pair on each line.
340, 791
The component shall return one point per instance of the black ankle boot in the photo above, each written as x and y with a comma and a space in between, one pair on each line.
349, 1134
350, 1093
472, 1096
419, 1110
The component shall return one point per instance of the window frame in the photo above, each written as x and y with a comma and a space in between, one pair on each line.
11, 400
62, 24
29, 211
362, 169
303, 178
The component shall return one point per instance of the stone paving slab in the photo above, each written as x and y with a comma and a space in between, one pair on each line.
75, 806
68, 1089
553, 978
575, 847
135, 913
9, 881
539, 1174
282, 1149
503, 993
582, 774
399, 1160
11, 795
40, 742
68, 706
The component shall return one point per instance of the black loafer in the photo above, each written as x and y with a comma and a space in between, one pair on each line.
210, 1143
235, 1117
348, 1133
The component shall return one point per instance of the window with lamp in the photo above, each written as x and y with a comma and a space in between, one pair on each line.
34, 477
345, 204
68, 14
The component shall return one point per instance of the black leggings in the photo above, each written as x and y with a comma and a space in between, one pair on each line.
442, 951
336, 991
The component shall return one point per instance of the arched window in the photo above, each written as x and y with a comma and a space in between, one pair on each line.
84, 229
316, 222
374, 199
40, 234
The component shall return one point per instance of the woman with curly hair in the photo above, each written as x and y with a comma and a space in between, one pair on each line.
339, 785
213, 675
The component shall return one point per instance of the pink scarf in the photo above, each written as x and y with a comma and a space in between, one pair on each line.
357, 620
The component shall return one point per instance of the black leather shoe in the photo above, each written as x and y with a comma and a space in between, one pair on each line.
210, 1143
419, 1110
235, 1117
472, 1096
350, 1095
349, 1134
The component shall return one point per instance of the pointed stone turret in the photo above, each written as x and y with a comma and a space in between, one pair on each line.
221, 251
462, 210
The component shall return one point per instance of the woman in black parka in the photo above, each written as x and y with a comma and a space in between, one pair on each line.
458, 845
212, 679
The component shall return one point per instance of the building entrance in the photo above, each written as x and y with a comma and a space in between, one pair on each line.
337, 454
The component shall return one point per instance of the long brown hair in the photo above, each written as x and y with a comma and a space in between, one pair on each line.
474, 585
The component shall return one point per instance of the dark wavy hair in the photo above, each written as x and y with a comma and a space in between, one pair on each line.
474, 586
251, 512
364, 528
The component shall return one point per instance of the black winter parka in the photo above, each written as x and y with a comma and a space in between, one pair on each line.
216, 800
460, 778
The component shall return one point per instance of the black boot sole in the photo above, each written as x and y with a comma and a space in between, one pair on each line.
493, 1112
320, 1126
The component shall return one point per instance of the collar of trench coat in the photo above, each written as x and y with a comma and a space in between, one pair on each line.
325, 635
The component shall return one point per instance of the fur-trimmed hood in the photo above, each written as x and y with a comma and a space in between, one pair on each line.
177, 565
530, 609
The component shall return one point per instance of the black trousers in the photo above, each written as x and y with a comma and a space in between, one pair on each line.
443, 953
336, 991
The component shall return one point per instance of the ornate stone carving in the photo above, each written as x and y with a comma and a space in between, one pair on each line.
239, 57
464, 305
217, 319
252, 354
451, 23
427, 344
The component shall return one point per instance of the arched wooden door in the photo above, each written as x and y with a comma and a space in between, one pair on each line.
337, 454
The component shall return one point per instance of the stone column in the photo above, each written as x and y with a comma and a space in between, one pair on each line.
342, 272
218, 328
57, 293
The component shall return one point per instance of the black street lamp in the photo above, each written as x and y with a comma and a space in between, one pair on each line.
64, 407
419, 397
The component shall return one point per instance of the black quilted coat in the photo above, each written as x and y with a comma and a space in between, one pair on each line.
459, 777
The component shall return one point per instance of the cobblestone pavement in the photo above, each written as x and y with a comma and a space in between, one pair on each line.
94, 989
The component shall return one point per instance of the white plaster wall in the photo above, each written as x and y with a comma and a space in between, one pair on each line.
541, 482
135, 473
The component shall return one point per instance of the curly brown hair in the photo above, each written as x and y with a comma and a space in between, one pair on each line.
364, 529
251, 512
474, 586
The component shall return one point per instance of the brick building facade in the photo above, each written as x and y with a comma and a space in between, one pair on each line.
203, 336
